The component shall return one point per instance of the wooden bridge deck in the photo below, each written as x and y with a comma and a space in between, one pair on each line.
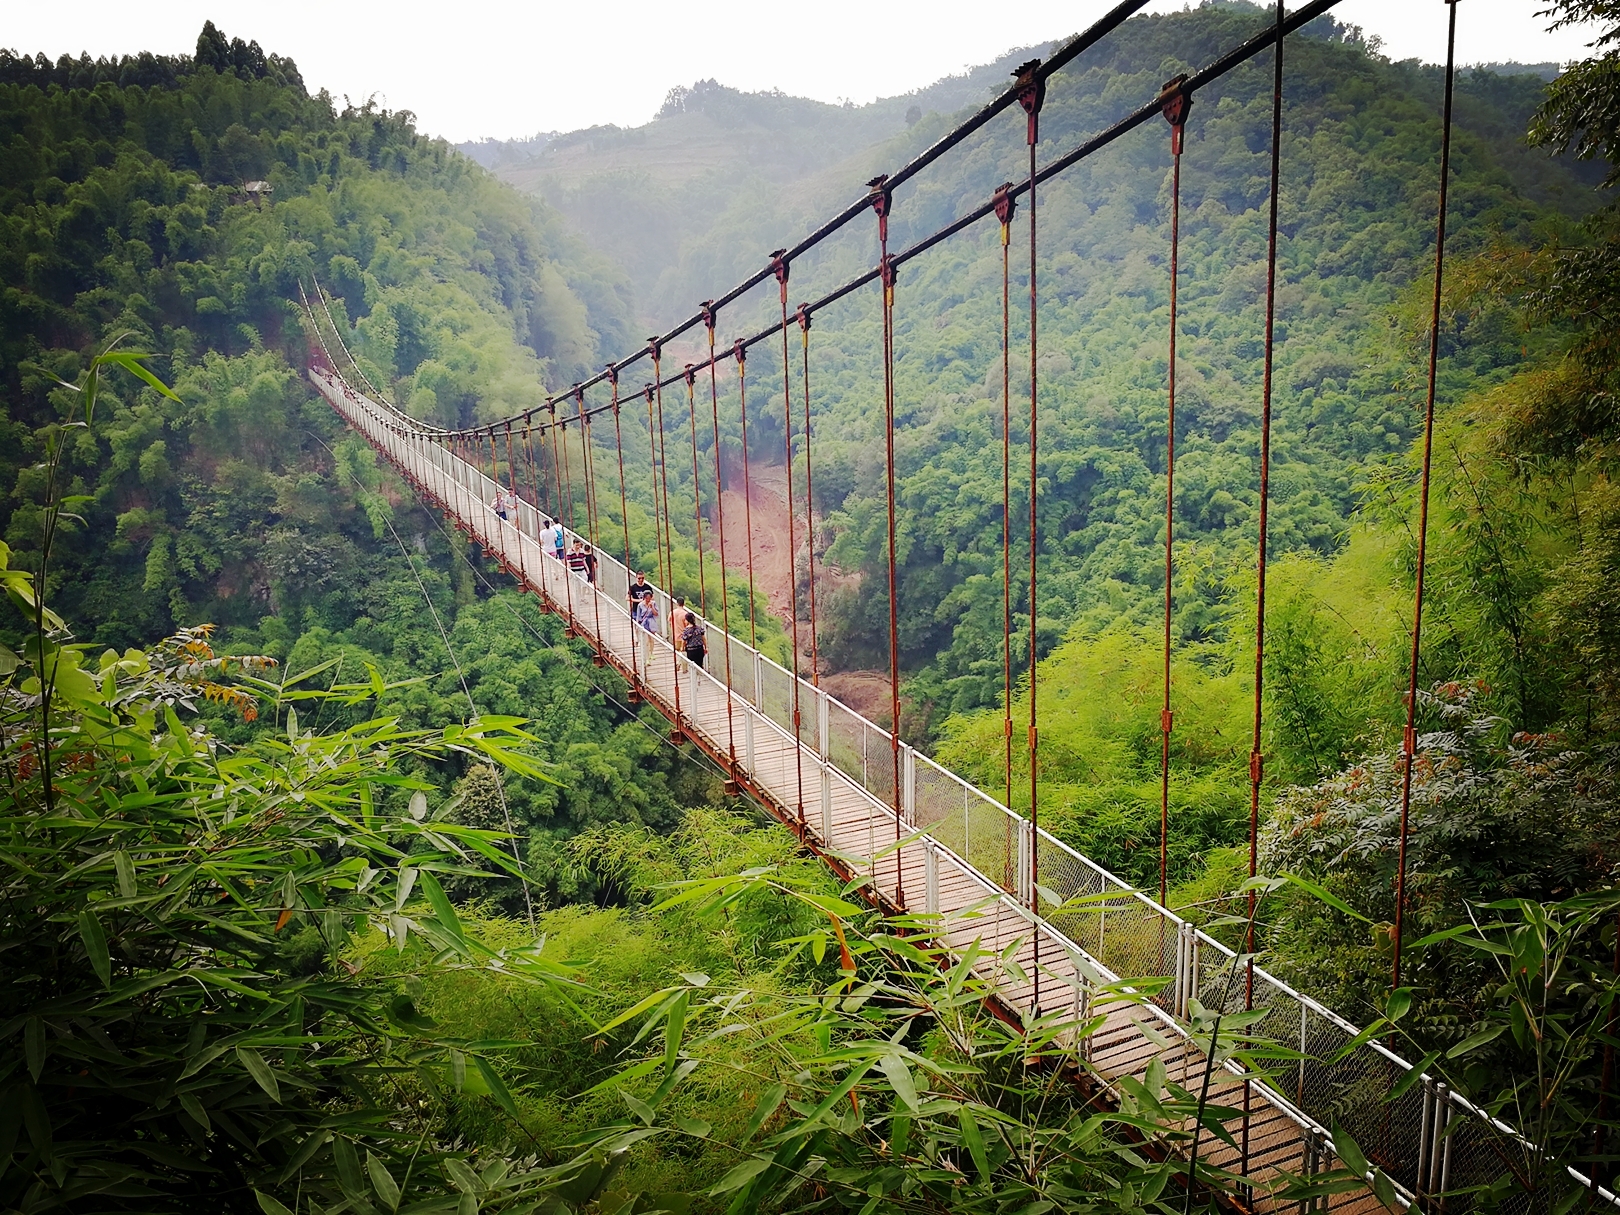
846, 824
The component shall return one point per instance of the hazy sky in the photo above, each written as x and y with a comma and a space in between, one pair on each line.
473, 68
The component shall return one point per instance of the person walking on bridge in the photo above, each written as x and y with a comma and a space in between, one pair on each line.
641, 591
644, 613
693, 638
576, 560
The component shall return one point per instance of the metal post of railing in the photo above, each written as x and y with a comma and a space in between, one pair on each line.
1439, 1142
1299, 1093
931, 875
1310, 1152
826, 806
823, 726
1082, 1011
908, 788
871, 842
748, 742
1425, 1124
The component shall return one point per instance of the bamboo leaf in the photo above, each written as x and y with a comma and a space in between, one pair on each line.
34, 1047
383, 1182
1349, 1151
1322, 895
1474, 1041
497, 1087
766, 1106
95, 945
260, 1071
974, 1142
742, 1174
899, 1077
443, 911
674, 1029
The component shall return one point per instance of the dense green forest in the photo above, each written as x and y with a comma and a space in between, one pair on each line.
338, 878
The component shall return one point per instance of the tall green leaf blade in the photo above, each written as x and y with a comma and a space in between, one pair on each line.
95, 945
260, 1071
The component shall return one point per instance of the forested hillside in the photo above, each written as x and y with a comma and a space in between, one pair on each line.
125, 209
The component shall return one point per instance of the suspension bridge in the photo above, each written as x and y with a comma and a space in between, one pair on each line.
1046, 923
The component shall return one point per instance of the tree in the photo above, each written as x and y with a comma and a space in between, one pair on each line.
212, 49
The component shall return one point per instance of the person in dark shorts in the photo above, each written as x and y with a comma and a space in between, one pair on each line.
641, 592
693, 639
684, 623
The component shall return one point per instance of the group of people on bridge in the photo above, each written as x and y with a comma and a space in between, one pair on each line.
686, 626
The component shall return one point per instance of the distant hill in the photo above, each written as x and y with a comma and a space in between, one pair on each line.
654, 197
643, 194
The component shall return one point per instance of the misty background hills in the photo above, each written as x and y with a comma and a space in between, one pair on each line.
660, 196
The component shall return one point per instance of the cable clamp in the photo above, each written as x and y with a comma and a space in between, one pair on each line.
690, 375
706, 308
1167, 720
1409, 743
1031, 93
804, 317
779, 268
888, 271
1175, 103
882, 199
1257, 766
1006, 207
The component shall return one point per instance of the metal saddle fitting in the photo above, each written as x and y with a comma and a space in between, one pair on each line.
1031, 95
1175, 103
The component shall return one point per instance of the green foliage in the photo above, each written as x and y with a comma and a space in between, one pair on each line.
173, 923
124, 208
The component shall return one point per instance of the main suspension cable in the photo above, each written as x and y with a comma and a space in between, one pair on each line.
1409, 737
1220, 67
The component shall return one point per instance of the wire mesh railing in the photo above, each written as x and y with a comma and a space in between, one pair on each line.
1431, 1141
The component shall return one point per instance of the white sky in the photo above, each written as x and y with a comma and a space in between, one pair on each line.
474, 68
